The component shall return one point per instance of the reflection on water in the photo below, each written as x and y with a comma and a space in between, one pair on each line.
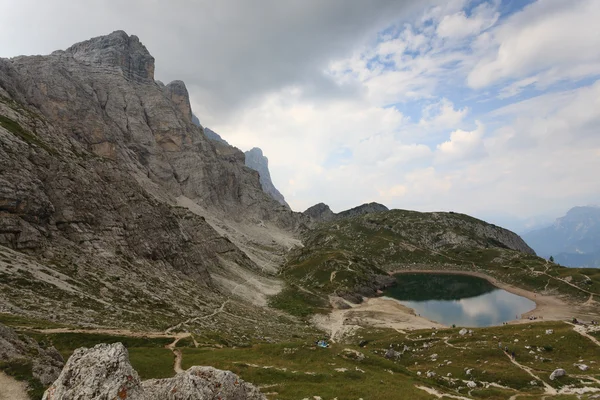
458, 299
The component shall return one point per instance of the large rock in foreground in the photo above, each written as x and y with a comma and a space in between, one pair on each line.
199, 383
104, 372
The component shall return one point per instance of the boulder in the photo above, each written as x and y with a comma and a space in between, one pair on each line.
471, 384
463, 332
200, 383
582, 367
351, 354
557, 373
104, 372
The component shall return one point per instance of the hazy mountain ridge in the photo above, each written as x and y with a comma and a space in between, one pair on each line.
573, 240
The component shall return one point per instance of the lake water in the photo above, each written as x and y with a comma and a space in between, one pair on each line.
458, 299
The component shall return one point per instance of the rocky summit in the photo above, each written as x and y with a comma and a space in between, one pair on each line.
258, 162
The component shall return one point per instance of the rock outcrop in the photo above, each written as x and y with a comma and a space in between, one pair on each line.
46, 363
258, 162
104, 372
199, 383
322, 213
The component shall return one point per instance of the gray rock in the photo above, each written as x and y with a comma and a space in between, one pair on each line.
258, 162
557, 373
104, 372
200, 383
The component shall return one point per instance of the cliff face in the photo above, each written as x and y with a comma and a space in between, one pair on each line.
94, 157
258, 162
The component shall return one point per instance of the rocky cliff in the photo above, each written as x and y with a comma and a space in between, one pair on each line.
113, 200
258, 162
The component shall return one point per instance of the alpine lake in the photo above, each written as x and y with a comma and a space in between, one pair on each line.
461, 300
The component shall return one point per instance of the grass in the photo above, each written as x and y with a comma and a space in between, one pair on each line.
297, 302
16, 129
300, 370
20, 321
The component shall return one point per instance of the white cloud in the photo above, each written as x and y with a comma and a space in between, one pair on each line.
459, 25
462, 146
551, 36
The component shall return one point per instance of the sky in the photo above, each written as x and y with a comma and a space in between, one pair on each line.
486, 107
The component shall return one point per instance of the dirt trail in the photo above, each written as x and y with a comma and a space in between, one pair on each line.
178, 355
549, 389
115, 332
12, 389
439, 395
194, 319
583, 332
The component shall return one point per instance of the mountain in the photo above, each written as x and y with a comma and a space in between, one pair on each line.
115, 209
322, 213
258, 162
573, 240
254, 159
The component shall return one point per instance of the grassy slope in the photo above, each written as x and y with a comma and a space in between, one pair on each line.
340, 256
298, 369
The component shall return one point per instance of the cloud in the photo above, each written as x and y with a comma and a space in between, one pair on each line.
462, 146
547, 38
459, 25
228, 52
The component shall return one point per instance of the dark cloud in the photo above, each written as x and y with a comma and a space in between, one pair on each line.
227, 52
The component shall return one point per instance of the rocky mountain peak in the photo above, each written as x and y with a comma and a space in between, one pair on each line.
179, 95
321, 212
117, 50
258, 162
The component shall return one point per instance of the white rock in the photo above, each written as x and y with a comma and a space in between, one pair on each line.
557, 373
582, 367
469, 371
463, 332
549, 331
471, 384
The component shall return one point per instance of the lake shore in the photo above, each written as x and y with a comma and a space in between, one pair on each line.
548, 307
385, 312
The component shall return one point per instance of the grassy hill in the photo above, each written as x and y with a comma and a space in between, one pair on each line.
352, 257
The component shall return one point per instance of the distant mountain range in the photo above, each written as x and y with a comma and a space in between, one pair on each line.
573, 240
